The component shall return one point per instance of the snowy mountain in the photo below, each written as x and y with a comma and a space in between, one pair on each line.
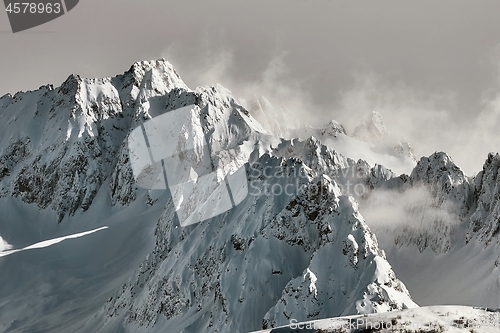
374, 131
441, 236
370, 141
59, 145
269, 259
112, 250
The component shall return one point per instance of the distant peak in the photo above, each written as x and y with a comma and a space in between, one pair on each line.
333, 129
492, 162
73, 78
436, 163
372, 129
441, 156
376, 120
493, 157
161, 65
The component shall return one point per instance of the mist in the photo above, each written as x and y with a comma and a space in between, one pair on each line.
273, 81
429, 121
414, 208
412, 217
431, 69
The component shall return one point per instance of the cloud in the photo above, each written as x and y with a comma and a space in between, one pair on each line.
412, 217
406, 111
478, 134
430, 121
413, 208
274, 81
202, 65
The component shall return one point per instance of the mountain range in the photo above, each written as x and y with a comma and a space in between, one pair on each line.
321, 223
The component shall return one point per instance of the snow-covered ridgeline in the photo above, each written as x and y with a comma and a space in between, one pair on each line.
59, 145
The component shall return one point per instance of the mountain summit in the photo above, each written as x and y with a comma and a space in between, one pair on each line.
373, 131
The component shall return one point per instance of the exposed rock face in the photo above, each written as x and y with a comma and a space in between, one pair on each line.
75, 136
319, 291
333, 129
475, 201
434, 198
485, 220
470, 202
446, 180
13, 155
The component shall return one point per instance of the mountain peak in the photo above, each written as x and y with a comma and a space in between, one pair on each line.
433, 167
492, 157
376, 118
440, 156
150, 64
372, 129
72, 84
374, 132
159, 70
333, 129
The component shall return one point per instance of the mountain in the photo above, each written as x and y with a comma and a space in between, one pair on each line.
370, 141
485, 220
374, 131
441, 236
60, 145
134, 203
270, 259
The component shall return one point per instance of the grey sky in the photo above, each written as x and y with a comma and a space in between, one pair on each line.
429, 66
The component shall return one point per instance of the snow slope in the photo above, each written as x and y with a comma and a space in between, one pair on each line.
456, 319
56, 287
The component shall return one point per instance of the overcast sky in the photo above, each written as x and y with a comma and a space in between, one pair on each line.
432, 68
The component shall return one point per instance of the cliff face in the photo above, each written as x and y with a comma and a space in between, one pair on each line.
474, 201
485, 220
